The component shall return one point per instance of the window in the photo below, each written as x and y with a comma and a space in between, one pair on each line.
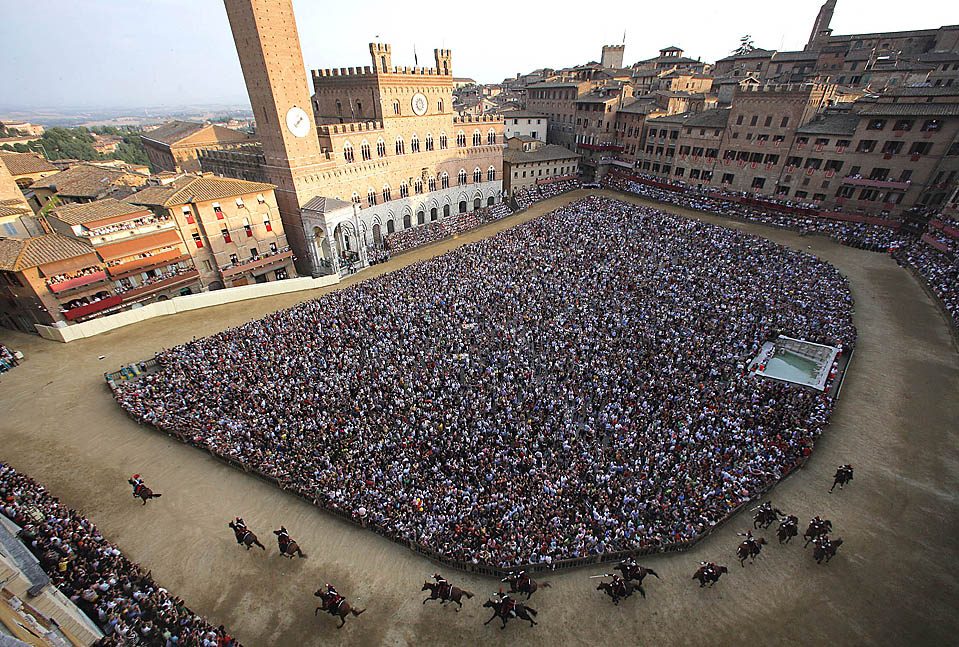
445, 180
260, 198
876, 124
247, 228
239, 203
931, 125
813, 163
477, 138
754, 120
217, 211
400, 146
386, 193
491, 137
348, 152
439, 106
739, 120
234, 259
429, 142
462, 176
866, 146
491, 174
365, 151
196, 239
418, 186
370, 197
728, 178
920, 148
461, 139
819, 197
226, 235
869, 195
903, 124
892, 148
266, 223
784, 122
355, 197
432, 184
404, 189
414, 144
442, 141
380, 148
833, 165
822, 141
905, 175
396, 107
758, 182
879, 173
187, 213
477, 176
768, 122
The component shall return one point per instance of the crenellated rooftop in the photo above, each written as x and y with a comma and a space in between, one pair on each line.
354, 127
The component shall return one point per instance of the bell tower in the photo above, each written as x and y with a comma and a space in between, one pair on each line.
268, 46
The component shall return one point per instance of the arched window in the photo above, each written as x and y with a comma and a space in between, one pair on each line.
429, 141
442, 141
439, 106
386, 193
491, 174
400, 146
348, 152
404, 189
365, 150
462, 176
355, 197
414, 144
477, 175
396, 107
432, 184
477, 138
491, 137
445, 180
418, 186
380, 148
461, 139
370, 197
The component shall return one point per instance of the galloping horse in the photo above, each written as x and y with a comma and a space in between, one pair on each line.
522, 583
519, 610
709, 573
825, 548
634, 572
816, 528
765, 515
142, 491
245, 536
445, 593
843, 475
617, 589
788, 528
336, 605
288, 547
749, 548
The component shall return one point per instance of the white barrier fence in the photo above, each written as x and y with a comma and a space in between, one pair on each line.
182, 304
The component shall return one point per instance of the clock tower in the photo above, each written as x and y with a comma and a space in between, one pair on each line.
268, 45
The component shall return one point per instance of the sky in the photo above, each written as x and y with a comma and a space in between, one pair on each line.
138, 53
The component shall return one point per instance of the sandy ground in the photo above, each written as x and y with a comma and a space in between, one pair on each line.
894, 582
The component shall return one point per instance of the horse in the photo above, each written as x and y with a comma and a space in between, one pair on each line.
707, 574
449, 593
520, 611
288, 548
765, 516
825, 550
843, 475
245, 536
142, 491
339, 608
523, 583
788, 528
823, 527
634, 572
749, 548
618, 589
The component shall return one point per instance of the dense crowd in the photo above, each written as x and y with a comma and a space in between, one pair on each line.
940, 271
126, 603
451, 225
526, 197
86, 271
854, 234
8, 359
570, 386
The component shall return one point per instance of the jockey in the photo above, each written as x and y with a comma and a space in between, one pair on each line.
748, 535
137, 484
240, 529
335, 597
442, 584
508, 604
284, 536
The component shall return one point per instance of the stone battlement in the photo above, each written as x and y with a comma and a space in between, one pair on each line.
368, 72
478, 119
354, 127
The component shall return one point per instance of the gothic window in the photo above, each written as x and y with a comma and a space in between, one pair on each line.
414, 144
429, 141
348, 152
400, 146
380, 148
491, 137
442, 141
418, 186
491, 174
477, 175
386, 193
432, 184
445, 180
365, 150
461, 139
371, 197
404, 189
462, 176
477, 138
396, 107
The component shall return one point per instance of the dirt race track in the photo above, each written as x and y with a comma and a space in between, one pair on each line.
895, 580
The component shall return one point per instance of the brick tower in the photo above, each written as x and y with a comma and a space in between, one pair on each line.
268, 46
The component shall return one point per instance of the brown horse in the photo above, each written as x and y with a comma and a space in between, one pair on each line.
765, 516
788, 528
843, 475
709, 573
288, 547
336, 606
449, 593
815, 529
751, 549
617, 589
519, 610
522, 583
142, 491
245, 536
825, 548
635, 573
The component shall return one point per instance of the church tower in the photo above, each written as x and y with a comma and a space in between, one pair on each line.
820, 29
268, 46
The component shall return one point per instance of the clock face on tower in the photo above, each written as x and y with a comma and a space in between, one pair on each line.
420, 104
298, 122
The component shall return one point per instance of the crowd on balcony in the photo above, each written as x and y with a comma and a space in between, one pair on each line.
118, 596
126, 285
141, 256
940, 271
60, 278
854, 234
129, 224
526, 197
256, 256
8, 359
85, 301
578, 394
451, 225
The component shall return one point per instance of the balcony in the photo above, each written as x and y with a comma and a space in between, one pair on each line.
80, 281
876, 184
163, 284
257, 263
121, 270
92, 308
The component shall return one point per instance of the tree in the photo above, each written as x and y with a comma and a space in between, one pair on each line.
745, 46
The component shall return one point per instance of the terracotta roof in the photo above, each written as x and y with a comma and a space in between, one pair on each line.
13, 210
24, 163
911, 109
541, 154
173, 131
198, 189
321, 204
832, 125
16, 255
83, 180
77, 214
